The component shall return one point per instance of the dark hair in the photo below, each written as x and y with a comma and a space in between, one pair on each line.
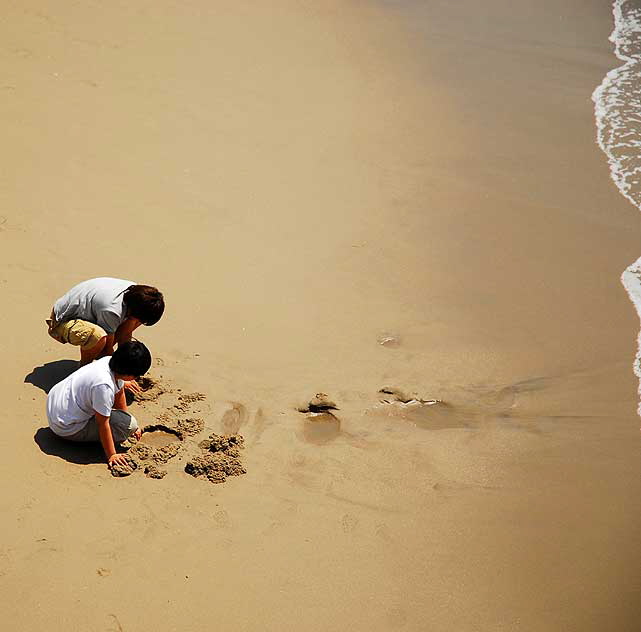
144, 302
131, 358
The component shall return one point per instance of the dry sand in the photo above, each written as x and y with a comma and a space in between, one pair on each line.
302, 180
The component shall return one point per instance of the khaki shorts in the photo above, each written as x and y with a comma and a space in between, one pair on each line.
79, 333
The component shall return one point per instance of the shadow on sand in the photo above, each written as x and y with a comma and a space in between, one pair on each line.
80, 453
48, 375
45, 377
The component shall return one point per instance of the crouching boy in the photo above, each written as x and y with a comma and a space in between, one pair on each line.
90, 404
99, 313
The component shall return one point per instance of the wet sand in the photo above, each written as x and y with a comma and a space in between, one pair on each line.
303, 182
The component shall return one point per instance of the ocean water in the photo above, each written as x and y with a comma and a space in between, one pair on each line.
617, 107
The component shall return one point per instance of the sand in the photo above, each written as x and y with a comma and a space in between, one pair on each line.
220, 458
177, 438
335, 198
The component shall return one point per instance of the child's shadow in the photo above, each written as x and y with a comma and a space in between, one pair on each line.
48, 375
73, 452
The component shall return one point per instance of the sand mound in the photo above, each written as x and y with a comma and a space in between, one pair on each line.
190, 426
391, 395
214, 458
320, 403
220, 458
124, 470
154, 472
152, 389
185, 401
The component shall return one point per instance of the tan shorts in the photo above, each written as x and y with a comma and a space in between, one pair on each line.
79, 333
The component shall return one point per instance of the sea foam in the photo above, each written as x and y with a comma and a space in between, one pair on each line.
617, 107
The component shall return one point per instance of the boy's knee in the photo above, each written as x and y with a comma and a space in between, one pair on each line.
133, 424
123, 425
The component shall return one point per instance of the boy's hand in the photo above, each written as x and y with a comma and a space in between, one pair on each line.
118, 459
133, 387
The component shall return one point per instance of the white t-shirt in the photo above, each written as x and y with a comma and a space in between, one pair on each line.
72, 402
98, 301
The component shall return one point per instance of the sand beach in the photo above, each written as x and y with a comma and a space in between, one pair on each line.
341, 198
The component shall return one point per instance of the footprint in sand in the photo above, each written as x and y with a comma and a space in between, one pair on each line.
5, 563
298, 460
234, 418
396, 617
382, 531
259, 426
349, 523
222, 519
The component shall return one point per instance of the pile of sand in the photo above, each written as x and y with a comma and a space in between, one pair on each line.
152, 389
220, 458
146, 457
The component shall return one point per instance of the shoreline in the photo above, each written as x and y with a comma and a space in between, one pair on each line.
615, 111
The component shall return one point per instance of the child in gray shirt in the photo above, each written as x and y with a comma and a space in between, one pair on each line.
99, 313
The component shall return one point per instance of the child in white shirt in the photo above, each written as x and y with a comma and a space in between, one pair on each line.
90, 404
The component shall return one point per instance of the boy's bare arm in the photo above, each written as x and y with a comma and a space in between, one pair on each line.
107, 440
120, 401
126, 329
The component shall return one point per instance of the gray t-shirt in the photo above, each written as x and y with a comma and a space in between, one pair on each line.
98, 301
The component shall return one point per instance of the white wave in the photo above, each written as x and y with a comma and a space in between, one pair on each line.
617, 107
